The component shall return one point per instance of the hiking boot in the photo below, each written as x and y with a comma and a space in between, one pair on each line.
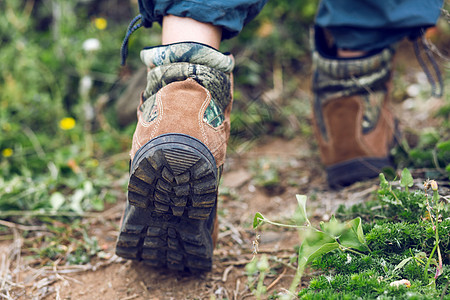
177, 156
354, 126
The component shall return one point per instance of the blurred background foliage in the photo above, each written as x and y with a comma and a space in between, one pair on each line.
63, 151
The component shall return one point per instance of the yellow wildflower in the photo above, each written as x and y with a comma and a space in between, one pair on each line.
100, 23
94, 163
434, 185
430, 184
67, 123
6, 127
7, 152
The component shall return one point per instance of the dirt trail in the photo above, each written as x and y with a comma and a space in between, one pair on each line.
300, 172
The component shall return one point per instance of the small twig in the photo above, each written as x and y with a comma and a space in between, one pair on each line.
130, 297
111, 160
21, 227
280, 261
82, 268
58, 296
226, 272
276, 280
17, 250
236, 263
236, 290
60, 277
32, 213
7, 237
143, 286
270, 251
4, 271
247, 295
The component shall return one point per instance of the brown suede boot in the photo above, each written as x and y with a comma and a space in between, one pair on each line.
177, 155
353, 124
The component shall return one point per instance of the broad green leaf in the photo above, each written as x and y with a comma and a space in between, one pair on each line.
316, 244
323, 249
353, 236
257, 220
406, 179
301, 199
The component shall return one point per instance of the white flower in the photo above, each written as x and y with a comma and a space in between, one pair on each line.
85, 85
91, 45
413, 90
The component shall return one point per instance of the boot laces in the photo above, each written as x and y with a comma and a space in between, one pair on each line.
436, 90
134, 25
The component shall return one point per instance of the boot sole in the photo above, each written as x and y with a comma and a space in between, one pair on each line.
346, 173
172, 194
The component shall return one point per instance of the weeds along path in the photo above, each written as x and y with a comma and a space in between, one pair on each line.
263, 178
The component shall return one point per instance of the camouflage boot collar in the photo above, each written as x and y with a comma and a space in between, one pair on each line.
194, 53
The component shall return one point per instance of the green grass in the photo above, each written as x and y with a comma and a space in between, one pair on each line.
407, 237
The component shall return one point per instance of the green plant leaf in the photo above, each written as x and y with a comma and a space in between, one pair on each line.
444, 146
57, 200
316, 244
301, 199
258, 220
76, 199
406, 179
353, 236
384, 184
333, 227
402, 263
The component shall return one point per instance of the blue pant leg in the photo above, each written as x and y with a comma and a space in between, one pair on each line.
231, 15
375, 24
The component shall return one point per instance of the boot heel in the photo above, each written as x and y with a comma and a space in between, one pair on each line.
172, 195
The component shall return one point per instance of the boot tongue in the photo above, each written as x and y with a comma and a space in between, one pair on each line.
191, 52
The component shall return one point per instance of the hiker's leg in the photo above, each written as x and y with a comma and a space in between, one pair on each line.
353, 123
178, 29
180, 141
231, 16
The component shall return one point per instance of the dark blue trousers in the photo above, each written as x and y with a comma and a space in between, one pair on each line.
355, 24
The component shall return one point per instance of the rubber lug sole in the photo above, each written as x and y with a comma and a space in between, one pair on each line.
172, 195
349, 172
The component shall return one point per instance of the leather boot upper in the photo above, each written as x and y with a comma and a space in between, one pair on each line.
189, 91
352, 119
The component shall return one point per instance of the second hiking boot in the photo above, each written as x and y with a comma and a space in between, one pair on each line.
353, 124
